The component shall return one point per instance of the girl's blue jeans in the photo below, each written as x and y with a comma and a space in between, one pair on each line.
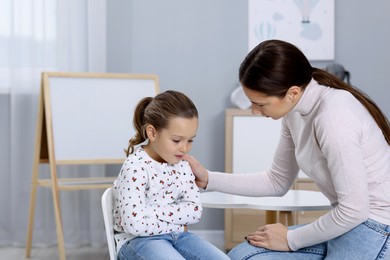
176, 245
368, 241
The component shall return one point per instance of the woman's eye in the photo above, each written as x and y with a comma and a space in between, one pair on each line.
176, 141
257, 105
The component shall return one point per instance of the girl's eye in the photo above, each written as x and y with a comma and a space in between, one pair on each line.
190, 141
176, 141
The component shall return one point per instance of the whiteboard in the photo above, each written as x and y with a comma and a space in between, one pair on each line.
255, 139
92, 114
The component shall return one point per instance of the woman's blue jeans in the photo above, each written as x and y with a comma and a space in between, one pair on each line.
368, 241
176, 245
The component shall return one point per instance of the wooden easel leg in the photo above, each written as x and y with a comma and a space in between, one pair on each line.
60, 233
31, 219
270, 217
35, 173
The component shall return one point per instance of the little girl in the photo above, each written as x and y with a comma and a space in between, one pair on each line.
156, 197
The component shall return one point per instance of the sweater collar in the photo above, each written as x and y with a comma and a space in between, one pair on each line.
310, 98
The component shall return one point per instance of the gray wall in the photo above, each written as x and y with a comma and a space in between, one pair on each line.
196, 47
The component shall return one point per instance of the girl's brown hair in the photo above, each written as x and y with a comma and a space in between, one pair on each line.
157, 112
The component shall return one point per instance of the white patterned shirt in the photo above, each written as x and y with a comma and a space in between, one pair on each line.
153, 198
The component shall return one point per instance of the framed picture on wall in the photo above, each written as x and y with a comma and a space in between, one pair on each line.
308, 24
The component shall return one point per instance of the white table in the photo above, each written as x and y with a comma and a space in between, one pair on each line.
293, 200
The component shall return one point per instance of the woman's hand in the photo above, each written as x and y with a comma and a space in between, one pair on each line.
271, 236
201, 173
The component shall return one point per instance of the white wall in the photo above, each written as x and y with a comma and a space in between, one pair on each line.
197, 46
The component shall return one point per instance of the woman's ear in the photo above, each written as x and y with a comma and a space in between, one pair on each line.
151, 132
293, 93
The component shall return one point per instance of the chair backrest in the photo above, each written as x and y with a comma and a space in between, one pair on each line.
108, 216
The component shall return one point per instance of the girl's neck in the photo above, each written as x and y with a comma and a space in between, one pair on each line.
152, 154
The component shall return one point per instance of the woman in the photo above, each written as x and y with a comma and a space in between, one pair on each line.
332, 132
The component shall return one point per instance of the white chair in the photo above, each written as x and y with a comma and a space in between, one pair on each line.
108, 216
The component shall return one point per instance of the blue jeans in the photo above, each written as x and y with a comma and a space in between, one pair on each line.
176, 245
369, 240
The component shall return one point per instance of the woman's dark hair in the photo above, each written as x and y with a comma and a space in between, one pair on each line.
274, 66
157, 112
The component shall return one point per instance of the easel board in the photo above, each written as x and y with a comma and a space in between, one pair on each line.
91, 115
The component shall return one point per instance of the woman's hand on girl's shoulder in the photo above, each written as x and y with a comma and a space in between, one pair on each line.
200, 172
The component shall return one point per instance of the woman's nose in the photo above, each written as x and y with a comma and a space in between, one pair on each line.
256, 111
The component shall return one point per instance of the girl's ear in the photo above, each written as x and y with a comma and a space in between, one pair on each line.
151, 132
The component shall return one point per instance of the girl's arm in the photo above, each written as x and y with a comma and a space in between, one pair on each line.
185, 207
137, 215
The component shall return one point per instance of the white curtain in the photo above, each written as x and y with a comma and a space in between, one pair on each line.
36, 36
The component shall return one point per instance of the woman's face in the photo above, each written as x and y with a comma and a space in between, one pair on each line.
273, 106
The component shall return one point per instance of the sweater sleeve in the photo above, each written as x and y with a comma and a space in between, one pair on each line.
275, 181
136, 215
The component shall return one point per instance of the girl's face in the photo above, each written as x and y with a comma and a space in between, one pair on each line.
272, 106
170, 144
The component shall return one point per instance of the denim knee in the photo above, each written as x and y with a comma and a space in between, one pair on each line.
246, 251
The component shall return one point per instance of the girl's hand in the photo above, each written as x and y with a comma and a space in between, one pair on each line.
201, 173
271, 236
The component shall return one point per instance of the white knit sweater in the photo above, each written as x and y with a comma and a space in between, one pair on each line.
333, 139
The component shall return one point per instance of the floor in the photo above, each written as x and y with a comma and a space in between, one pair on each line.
87, 253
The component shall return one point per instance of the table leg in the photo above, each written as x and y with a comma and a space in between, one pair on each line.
285, 217
270, 217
